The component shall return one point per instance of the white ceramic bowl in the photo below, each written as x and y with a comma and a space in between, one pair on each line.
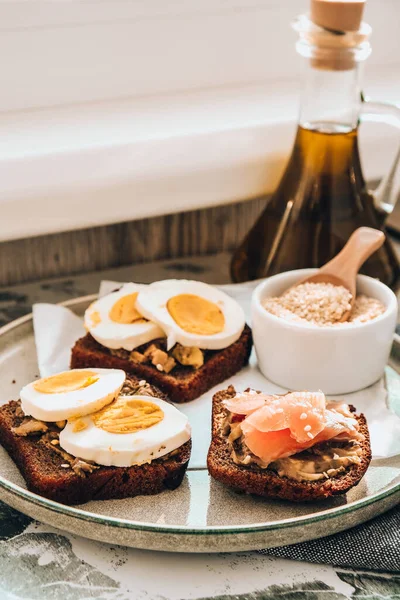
334, 360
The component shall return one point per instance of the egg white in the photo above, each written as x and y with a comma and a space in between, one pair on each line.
120, 335
127, 449
64, 405
152, 303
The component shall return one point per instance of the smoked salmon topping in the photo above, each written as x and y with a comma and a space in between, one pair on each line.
271, 445
246, 402
279, 426
340, 408
303, 413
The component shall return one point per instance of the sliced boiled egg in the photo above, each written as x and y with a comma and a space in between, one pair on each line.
71, 393
132, 430
192, 313
115, 321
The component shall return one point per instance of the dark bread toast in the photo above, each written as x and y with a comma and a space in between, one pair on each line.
264, 482
40, 464
183, 383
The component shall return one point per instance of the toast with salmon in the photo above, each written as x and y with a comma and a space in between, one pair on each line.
282, 472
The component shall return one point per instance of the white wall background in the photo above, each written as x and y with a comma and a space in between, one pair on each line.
119, 109
74, 51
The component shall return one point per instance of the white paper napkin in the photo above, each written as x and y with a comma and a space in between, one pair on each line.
57, 329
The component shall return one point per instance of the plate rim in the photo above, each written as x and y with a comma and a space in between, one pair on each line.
201, 530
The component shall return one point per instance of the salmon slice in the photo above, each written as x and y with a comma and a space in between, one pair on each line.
338, 426
279, 426
271, 445
303, 413
340, 408
295, 422
305, 424
246, 403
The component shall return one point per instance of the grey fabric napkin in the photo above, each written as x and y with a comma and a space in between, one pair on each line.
374, 545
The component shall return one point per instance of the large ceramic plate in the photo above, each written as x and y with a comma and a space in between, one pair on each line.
201, 515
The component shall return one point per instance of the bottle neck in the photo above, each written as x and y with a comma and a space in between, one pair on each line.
330, 99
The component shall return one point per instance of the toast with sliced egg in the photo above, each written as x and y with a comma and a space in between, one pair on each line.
92, 435
295, 446
183, 336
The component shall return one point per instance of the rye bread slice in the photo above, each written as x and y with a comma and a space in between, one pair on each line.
41, 468
183, 383
263, 482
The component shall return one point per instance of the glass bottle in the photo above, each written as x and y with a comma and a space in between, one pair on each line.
322, 196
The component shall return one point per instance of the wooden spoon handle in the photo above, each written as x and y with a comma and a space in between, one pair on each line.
361, 244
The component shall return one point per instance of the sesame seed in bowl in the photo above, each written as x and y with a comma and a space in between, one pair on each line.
322, 305
301, 345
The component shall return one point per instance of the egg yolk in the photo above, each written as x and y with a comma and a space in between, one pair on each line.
70, 381
95, 318
124, 310
196, 315
79, 425
127, 415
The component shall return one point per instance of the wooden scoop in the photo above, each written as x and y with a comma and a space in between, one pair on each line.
343, 269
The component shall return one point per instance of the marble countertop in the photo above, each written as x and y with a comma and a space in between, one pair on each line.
38, 562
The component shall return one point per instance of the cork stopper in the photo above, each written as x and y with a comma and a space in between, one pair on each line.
337, 15
333, 35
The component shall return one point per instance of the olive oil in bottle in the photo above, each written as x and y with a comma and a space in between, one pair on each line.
322, 197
